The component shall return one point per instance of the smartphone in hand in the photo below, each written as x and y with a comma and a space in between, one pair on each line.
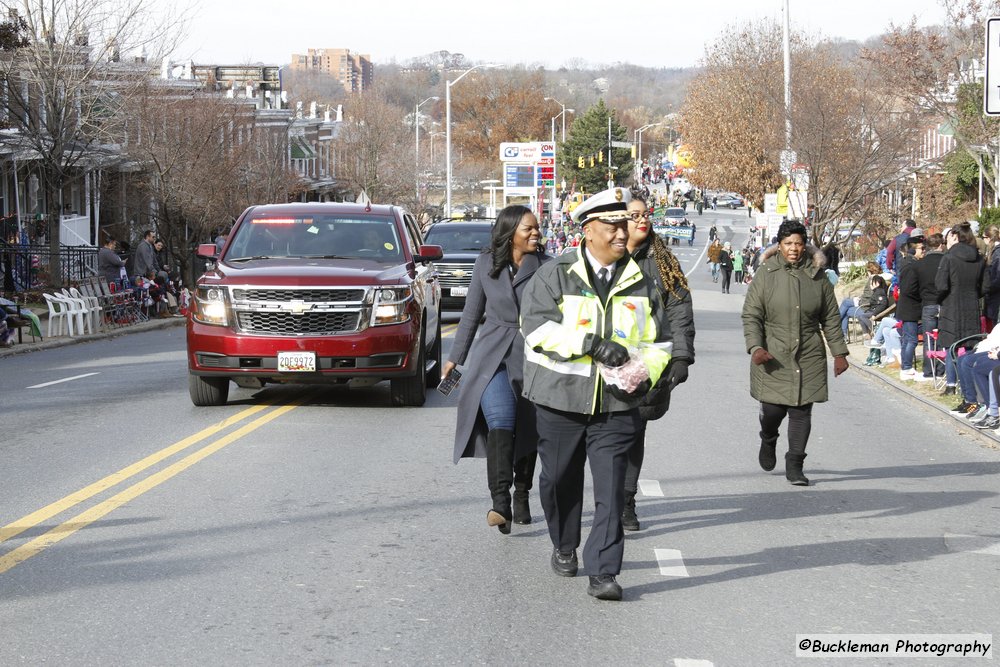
449, 383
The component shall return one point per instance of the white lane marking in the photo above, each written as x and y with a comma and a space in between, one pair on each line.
687, 662
671, 563
973, 544
697, 262
650, 487
48, 384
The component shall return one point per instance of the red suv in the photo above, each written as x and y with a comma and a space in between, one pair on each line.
317, 293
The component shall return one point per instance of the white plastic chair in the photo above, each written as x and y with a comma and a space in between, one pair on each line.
58, 314
94, 309
77, 308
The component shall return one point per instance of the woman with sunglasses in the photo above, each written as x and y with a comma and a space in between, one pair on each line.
660, 265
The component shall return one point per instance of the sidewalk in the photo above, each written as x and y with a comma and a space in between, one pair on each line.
61, 341
921, 392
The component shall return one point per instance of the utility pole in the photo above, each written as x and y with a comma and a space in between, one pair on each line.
788, 82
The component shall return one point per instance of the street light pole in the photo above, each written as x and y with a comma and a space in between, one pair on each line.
638, 141
416, 143
447, 136
561, 113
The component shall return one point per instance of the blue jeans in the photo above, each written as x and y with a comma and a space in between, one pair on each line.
847, 309
715, 271
963, 368
908, 334
499, 404
888, 335
981, 367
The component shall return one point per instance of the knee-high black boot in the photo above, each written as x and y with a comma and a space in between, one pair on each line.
799, 425
524, 473
500, 476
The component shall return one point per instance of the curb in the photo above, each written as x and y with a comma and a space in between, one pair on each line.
63, 341
989, 438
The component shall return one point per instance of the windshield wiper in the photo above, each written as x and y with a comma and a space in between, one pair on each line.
246, 259
329, 257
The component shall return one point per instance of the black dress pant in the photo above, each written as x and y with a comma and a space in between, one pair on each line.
636, 453
566, 440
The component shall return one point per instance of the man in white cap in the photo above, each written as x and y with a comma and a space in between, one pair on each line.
584, 316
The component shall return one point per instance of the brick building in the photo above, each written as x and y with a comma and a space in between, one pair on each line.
355, 72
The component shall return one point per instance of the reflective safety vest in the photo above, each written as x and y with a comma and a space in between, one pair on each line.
560, 308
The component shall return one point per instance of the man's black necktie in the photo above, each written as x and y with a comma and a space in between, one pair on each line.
605, 277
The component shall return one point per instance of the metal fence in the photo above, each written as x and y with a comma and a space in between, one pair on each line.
26, 267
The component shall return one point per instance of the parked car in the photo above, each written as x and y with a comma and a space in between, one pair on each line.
461, 243
729, 200
317, 293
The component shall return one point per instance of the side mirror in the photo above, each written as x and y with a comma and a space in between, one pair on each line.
206, 251
428, 253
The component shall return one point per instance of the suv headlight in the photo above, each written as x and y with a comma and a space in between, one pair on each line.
390, 305
212, 306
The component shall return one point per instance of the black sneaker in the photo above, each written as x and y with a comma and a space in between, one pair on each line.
991, 422
564, 563
976, 412
961, 408
604, 587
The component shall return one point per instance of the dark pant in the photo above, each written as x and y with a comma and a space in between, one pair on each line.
799, 424
566, 440
635, 456
727, 276
928, 323
908, 339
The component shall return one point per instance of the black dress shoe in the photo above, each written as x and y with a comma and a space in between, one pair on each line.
604, 587
564, 563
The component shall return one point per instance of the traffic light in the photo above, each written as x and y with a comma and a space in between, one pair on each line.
634, 153
600, 156
580, 163
591, 160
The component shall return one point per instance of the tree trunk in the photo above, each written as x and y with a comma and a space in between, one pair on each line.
53, 186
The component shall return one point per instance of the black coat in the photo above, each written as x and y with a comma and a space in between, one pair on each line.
908, 306
961, 281
680, 314
993, 290
926, 270
499, 341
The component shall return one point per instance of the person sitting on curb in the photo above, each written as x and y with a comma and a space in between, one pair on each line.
991, 421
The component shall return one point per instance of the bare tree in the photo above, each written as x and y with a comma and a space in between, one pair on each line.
65, 88
375, 148
938, 71
205, 160
848, 128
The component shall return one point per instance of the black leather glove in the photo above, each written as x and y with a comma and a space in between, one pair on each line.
677, 372
622, 395
606, 352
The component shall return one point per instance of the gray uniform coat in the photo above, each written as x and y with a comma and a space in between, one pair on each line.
788, 311
499, 341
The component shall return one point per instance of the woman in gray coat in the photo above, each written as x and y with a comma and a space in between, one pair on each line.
789, 303
490, 403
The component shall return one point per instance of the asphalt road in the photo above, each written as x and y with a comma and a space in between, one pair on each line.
319, 526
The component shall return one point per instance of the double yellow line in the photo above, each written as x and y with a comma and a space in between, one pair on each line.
102, 509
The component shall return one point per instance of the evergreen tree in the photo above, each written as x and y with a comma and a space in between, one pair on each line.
589, 138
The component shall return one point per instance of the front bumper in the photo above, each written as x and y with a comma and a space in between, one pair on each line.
379, 352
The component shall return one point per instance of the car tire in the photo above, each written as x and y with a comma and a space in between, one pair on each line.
434, 374
208, 391
411, 391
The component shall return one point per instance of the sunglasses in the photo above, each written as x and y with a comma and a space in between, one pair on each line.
638, 216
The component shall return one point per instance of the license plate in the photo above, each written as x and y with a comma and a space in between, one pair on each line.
297, 362
459, 291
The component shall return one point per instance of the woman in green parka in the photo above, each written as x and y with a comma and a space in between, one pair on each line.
789, 302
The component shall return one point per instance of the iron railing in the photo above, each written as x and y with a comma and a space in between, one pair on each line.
26, 267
